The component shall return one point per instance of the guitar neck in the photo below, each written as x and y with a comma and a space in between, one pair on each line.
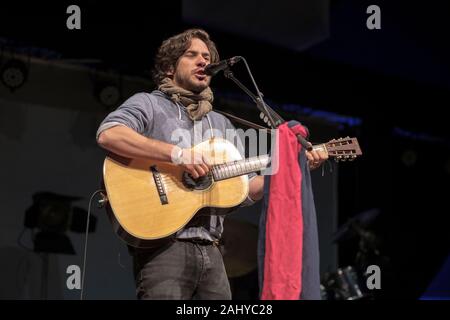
245, 166
239, 167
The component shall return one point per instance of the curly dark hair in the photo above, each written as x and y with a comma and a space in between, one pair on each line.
173, 48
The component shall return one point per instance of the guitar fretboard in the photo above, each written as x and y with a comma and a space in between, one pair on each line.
239, 167
245, 166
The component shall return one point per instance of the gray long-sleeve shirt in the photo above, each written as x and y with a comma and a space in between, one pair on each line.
155, 116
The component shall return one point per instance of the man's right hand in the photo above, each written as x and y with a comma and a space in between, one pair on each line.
194, 163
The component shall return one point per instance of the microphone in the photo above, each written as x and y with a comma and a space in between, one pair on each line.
213, 68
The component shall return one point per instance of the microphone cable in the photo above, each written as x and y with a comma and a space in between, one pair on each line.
102, 201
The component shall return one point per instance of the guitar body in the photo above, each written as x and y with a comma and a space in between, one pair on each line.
149, 201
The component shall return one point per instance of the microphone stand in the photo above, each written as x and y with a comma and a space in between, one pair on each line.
260, 103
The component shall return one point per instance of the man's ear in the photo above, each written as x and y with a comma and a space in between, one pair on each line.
170, 72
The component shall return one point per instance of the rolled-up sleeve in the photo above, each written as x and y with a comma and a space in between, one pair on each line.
135, 113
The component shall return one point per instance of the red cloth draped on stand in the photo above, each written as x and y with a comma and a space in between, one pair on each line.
288, 242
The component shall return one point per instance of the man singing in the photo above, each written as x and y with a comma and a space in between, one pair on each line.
142, 127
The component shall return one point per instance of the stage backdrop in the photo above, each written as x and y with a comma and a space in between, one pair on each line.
47, 134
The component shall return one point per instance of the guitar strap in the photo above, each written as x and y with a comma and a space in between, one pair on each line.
301, 139
242, 121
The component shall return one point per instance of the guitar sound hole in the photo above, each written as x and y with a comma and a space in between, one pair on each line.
200, 183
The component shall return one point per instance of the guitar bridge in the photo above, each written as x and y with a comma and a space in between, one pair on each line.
159, 185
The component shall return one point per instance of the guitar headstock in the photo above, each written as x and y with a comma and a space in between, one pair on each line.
343, 149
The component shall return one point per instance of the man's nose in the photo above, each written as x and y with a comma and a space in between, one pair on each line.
201, 61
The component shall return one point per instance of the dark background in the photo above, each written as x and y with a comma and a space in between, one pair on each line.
388, 87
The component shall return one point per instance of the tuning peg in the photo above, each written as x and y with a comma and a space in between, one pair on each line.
261, 115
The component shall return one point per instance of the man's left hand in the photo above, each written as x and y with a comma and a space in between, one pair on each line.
316, 158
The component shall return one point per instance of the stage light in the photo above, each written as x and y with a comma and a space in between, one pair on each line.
53, 215
109, 95
409, 158
107, 85
14, 74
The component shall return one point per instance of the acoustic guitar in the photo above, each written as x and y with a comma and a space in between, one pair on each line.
149, 201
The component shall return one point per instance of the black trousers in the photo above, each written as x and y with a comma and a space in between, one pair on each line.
181, 270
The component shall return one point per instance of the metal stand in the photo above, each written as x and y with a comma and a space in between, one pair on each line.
261, 104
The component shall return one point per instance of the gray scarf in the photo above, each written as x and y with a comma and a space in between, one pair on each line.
197, 104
